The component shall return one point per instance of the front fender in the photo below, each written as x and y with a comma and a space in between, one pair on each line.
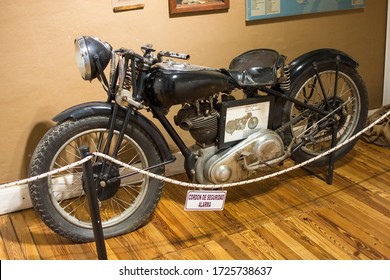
320, 56
84, 110
105, 109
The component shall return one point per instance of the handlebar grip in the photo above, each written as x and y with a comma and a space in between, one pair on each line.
175, 55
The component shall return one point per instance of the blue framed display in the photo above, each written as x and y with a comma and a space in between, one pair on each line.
264, 9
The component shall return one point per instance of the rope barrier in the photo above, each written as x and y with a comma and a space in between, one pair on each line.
43, 175
193, 185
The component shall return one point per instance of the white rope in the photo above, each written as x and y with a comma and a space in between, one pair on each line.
186, 184
43, 175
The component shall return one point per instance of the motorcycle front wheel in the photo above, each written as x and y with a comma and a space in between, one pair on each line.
347, 96
125, 203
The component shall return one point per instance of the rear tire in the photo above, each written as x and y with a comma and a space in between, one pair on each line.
60, 200
351, 91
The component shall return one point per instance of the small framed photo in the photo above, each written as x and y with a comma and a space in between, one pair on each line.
190, 6
241, 118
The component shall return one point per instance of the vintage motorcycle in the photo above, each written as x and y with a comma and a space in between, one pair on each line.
295, 107
241, 123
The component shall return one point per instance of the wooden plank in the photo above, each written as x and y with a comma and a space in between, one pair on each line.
13, 249
147, 243
310, 233
233, 249
186, 231
36, 228
358, 237
289, 240
195, 252
365, 222
218, 251
255, 246
3, 252
285, 251
333, 233
24, 236
3, 240
120, 248
210, 250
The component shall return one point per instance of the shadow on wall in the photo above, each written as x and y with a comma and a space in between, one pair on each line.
33, 139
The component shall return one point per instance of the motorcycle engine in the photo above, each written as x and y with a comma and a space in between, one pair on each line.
201, 120
261, 150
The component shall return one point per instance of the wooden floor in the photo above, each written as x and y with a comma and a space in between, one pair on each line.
294, 216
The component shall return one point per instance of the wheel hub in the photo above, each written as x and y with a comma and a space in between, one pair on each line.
106, 184
341, 114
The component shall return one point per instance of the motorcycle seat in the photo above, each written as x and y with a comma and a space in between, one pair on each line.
256, 67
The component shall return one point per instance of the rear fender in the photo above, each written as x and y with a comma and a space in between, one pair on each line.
105, 109
298, 65
301, 63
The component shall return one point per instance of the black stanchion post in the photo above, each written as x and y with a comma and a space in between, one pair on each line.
93, 204
329, 178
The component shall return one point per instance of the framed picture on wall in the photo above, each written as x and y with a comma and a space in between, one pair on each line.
125, 5
190, 6
261, 9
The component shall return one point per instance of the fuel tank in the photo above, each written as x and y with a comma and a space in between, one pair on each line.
172, 83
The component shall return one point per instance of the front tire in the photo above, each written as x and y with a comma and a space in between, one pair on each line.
351, 95
60, 200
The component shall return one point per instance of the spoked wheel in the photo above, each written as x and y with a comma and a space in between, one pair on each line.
253, 122
342, 92
125, 202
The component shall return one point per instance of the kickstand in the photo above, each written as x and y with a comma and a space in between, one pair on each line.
329, 175
93, 204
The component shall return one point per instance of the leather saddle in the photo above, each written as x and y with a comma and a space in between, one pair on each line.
257, 67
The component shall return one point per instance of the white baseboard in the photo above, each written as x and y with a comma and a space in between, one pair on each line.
14, 199
17, 198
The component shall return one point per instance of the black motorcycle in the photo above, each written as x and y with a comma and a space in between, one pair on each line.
296, 107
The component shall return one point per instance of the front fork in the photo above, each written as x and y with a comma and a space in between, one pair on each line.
108, 165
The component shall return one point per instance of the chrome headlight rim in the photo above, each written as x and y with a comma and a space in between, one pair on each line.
89, 52
82, 58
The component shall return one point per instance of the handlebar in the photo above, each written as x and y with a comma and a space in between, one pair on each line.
148, 57
173, 55
124, 52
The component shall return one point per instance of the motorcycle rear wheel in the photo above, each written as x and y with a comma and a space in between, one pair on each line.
351, 96
60, 200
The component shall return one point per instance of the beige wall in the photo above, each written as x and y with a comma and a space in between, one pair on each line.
38, 76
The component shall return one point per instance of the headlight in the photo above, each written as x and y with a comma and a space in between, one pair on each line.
87, 50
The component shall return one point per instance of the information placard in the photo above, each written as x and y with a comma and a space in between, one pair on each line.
263, 9
205, 200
